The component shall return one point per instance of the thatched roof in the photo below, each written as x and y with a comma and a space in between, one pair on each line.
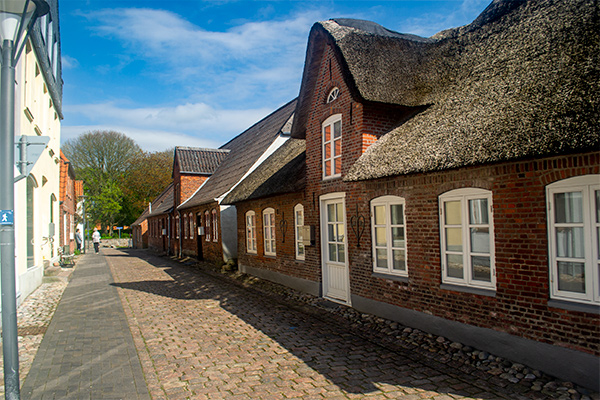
244, 151
195, 160
521, 81
283, 172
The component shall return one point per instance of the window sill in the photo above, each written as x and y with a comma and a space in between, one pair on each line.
572, 306
390, 277
468, 289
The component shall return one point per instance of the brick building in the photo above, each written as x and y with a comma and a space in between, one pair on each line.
450, 183
217, 221
68, 199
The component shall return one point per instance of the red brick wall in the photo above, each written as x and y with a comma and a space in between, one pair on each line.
212, 250
285, 262
156, 240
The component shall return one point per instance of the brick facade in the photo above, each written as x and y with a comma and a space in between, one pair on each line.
212, 250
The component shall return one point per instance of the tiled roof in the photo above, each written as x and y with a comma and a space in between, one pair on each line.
245, 149
194, 160
162, 204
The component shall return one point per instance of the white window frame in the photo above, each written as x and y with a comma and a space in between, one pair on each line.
463, 196
251, 232
333, 95
192, 225
215, 226
587, 185
185, 226
387, 202
334, 158
268, 215
207, 228
176, 227
298, 225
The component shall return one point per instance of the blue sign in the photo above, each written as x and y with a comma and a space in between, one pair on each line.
7, 217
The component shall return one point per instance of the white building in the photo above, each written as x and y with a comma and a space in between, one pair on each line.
38, 112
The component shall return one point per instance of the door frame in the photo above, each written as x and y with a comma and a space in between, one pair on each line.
339, 197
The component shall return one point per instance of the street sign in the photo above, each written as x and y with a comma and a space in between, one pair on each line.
6, 217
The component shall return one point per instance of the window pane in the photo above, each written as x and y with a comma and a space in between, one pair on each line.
328, 168
337, 165
481, 268
300, 249
330, 232
327, 150
455, 265
569, 242
478, 212
299, 218
399, 260
340, 232
379, 212
273, 246
327, 131
454, 239
380, 239
569, 207
571, 277
341, 255
339, 211
337, 149
397, 214
332, 252
398, 237
331, 212
480, 240
337, 129
452, 213
381, 261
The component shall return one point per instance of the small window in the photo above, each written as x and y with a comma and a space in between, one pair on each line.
215, 232
251, 232
185, 226
467, 237
332, 147
269, 231
207, 226
574, 238
298, 225
192, 225
333, 94
177, 227
388, 232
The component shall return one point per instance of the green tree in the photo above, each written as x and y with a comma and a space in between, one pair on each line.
102, 159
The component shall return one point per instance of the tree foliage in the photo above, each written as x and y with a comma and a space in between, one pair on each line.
102, 159
148, 175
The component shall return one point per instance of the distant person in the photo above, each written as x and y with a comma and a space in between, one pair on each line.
96, 240
78, 239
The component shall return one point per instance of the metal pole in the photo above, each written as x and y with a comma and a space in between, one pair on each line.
10, 344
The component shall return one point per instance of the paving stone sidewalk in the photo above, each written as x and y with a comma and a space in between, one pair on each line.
200, 337
87, 351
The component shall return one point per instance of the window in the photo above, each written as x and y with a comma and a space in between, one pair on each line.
333, 94
176, 227
574, 238
298, 225
215, 226
269, 231
31, 185
389, 235
185, 226
332, 147
251, 232
206, 226
192, 225
467, 238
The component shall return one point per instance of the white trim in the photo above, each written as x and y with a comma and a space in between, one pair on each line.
269, 238
387, 202
330, 121
253, 230
297, 228
587, 185
463, 196
338, 197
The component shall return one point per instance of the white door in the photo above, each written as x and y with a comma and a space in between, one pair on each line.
334, 245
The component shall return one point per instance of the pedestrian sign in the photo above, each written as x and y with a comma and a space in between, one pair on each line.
6, 217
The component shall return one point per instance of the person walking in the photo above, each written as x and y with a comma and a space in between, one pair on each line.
96, 240
78, 239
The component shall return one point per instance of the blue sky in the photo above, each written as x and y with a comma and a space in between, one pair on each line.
199, 72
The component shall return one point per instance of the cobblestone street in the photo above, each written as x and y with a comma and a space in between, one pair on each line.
199, 334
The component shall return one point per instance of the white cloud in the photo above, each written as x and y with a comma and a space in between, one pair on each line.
69, 62
157, 128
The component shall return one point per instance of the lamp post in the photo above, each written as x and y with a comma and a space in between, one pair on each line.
16, 20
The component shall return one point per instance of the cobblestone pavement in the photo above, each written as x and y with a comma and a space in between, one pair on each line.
201, 337
33, 317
